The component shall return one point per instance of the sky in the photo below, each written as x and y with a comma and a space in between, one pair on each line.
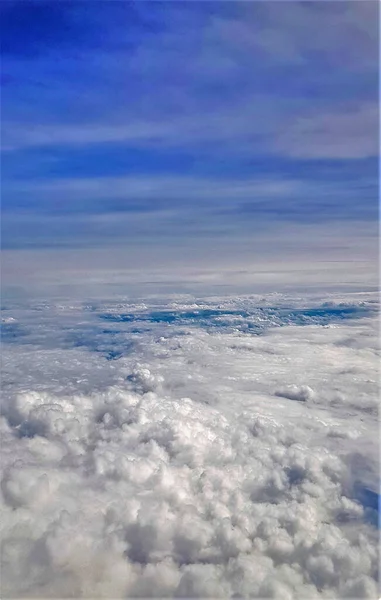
189, 143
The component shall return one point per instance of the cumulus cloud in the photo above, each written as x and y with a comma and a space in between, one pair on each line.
185, 469
293, 392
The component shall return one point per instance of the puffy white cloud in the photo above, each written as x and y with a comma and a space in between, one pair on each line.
189, 471
293, 392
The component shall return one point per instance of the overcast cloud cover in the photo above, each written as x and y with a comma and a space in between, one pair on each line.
190, 349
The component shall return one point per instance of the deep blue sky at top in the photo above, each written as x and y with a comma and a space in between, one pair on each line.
151, 122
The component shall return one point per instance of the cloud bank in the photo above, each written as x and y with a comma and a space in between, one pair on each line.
208, 459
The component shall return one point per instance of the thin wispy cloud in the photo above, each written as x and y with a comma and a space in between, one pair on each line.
239, 114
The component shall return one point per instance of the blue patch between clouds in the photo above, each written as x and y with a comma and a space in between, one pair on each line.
11, 332
116, 341
256, 320
370, 501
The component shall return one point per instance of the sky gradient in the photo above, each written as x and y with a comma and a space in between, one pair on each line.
233, 143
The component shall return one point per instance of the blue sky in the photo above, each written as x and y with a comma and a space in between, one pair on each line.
154, 135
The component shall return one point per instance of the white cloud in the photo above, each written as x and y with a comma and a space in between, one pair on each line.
177, 471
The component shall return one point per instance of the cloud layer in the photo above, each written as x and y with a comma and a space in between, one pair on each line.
201, 460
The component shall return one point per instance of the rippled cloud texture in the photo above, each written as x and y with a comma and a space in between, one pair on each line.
191, 448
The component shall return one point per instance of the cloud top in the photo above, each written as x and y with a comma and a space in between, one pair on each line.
187, 469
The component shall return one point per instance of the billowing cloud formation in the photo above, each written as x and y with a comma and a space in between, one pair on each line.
212, 460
